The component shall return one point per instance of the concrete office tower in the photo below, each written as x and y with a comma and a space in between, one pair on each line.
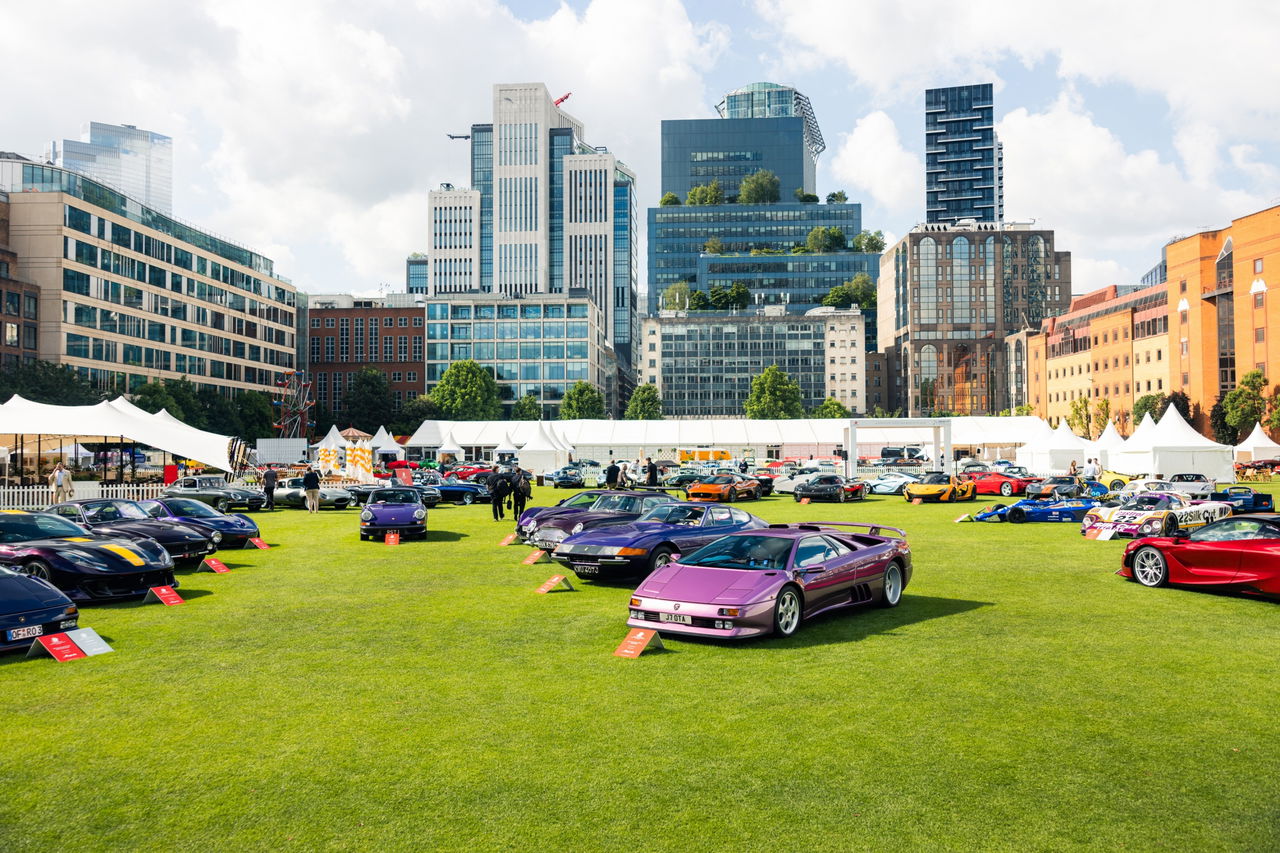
137, 162
964, 164
546, 214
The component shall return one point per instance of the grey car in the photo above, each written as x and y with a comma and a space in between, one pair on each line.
291, 493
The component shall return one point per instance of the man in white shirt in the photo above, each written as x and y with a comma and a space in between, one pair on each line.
60, 480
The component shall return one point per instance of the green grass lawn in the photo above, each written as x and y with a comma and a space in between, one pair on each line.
336, 694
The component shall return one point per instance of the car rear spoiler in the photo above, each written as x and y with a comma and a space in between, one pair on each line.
874, 529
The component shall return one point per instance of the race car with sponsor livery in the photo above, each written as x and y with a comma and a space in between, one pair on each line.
1072, 509
1154, 514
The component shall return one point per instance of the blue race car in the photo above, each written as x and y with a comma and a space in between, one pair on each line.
1244, 499
398, 510
1072, 510
636, 549
236, 529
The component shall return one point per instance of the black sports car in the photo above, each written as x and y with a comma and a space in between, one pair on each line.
86, 566
831, 487
30, 608
568, 478
116, 517
217, 493
236, 530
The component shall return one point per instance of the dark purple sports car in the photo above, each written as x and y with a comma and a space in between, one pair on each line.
530, 518
398, 510
768, 581
30, 608
611, 508
649, 543
236, 529
115, 517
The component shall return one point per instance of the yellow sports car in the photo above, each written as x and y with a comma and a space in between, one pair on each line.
1114, 481
937, 487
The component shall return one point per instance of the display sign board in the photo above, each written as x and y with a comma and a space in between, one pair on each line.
804, 500
555, 581
509, 539
1104, 535
57, 646
535, 557
259, 543
637, 642
965, 517
393, 538
89, 641
917, 501
163, 594
405, 476
209, 564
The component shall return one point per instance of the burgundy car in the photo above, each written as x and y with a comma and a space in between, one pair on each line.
768, 581
1239, 553
613, 508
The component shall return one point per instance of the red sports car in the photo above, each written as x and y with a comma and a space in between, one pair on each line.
467, 470
999, 483
1240, 553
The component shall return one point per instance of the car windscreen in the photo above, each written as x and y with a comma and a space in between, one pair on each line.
24, 528
615, 503
191, 509
676, 514
936, 480
1146, 502
718, 480
393, 496
1189, 478
762, 553
1060, 481
211, 482
100, 511
581, 500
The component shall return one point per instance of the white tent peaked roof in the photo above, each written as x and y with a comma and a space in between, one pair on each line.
1173, 431
506, 445
382, 439
333, 439
1259, 443
541, 442
448, 445
1064, 439
1140, 434
1110, 439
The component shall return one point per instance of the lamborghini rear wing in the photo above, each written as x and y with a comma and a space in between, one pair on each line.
873, 529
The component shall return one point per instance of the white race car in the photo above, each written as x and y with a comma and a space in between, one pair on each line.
1194, 485
1153, 514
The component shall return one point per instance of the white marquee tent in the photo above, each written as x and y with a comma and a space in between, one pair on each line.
1110, 440
1054, 453
1258, 445
1172, 446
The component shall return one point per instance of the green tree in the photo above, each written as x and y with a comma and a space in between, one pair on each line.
676, 297
762, 187
257, 417
705, 194
1101, 415
185, 394
713, 246
822, 240
829, 408
367, 402
1180, 401
582, 401
1223, 431
46, 382
698, 301
719, 297
837, 197
221, 413
645, 404
774, 396
879, 411
467, 392
669, 199
1246, 405
527, 408
860, 291
869, 241
739, 296
1151, 404
1078, 416
154, 396
1024, 409
804, 197
413, 413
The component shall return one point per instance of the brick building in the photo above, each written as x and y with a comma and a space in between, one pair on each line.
21, 302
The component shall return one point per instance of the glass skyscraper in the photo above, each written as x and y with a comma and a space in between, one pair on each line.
137, 162
964, 169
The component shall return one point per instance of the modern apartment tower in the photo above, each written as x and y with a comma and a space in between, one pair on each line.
138, 163
546, 213
964, 171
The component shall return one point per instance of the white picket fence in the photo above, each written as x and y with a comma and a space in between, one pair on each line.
39, 497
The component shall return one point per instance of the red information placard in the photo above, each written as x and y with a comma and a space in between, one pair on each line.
259, 543
917, 501
405, 476
511, 537
533, 558
59, 646
393, 538
163, 594
637, 641
555, 581
213, 565
804, 500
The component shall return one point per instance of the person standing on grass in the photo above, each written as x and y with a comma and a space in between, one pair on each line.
269, 480
650, 472
611, 475
521, 491
311, 488
499, 490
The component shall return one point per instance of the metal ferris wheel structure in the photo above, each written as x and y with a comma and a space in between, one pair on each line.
292, 406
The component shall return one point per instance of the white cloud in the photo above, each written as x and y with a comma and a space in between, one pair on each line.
872, 158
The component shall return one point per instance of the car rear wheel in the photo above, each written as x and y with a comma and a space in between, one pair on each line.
38, 569
786, 612
841, 496
892, 592
222, 505
1006, 489
1150, 567
1016, 514
660, 557
731, 497
468, 499
1116, 485
1169, 527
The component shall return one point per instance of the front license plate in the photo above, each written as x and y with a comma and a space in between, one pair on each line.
675, 617
586, 569
23, 633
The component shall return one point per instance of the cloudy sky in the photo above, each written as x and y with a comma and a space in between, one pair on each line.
313, 130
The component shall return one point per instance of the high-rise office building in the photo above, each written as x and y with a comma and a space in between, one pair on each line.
546, 214
138, 163
964, 163
416, 273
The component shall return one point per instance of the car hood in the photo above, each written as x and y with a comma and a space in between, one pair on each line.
226, 524
699, 585
121, 553
158, 530
19, 594
568, 521
395, 513
628, 534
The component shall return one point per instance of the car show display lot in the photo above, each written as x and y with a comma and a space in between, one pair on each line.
346, 694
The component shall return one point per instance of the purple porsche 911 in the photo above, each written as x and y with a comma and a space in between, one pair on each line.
770, 580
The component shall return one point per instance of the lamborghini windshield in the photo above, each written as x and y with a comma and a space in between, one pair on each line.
764, 553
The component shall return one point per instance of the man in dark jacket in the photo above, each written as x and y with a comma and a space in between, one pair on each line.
521, 489
311, 488
499, 489
650, 472
611, 475
269, 480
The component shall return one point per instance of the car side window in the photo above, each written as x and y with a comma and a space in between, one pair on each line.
1230, 530
720, 515
188, 484
838, 548
68, 510
811, 551
153, 508
739, 517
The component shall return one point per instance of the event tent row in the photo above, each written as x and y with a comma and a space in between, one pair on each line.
116, 419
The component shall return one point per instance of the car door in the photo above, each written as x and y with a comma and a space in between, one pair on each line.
829, 571
1259, 553
1212, 554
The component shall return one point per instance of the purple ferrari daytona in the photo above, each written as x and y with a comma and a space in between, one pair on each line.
770, 580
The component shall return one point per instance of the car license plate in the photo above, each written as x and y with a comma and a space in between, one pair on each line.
586, 569
675, 617
23, 633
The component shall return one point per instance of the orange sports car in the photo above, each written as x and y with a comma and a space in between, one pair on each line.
725, 487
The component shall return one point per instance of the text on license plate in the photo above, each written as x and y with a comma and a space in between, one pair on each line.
675, 617
586, 569
23, 633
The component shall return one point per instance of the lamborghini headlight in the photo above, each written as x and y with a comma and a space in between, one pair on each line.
577, 528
